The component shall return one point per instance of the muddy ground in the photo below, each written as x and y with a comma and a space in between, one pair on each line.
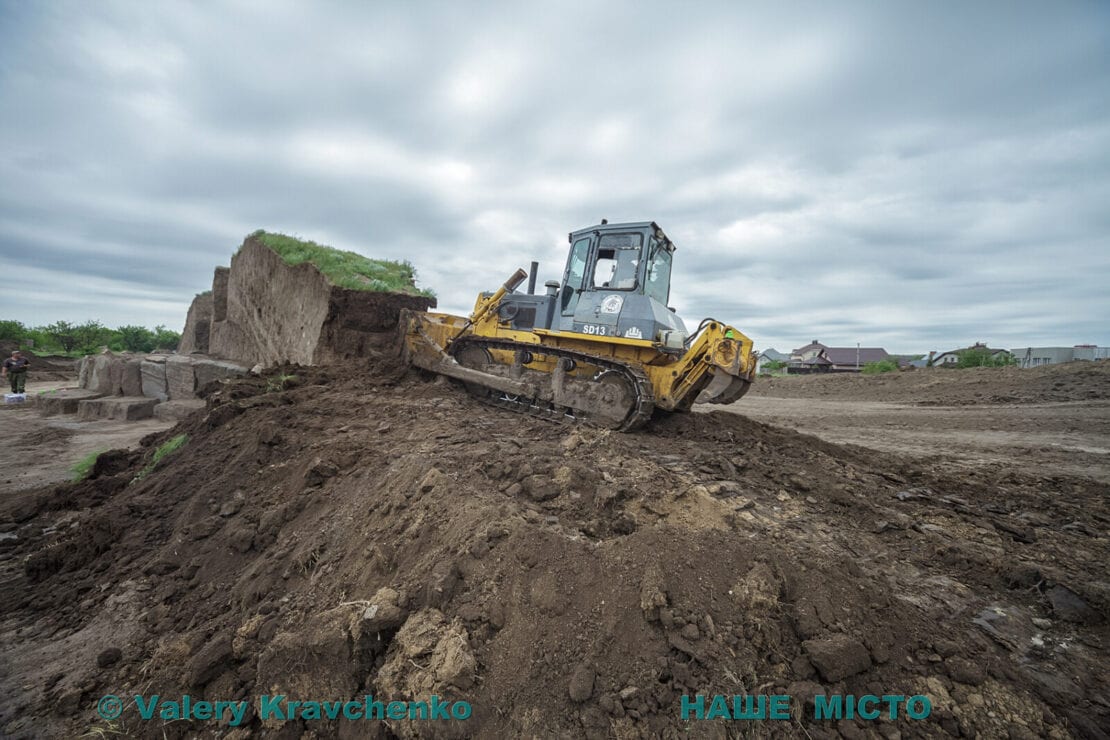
366, 530
37, 451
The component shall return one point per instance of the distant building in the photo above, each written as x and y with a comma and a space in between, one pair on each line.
951, 358
920, 364
816, 357
1037, 356
770, 355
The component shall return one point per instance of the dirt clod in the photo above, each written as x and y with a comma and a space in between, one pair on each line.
108, 657
838, 656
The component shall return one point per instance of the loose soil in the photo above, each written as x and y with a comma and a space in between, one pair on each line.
363, 529
1072, 381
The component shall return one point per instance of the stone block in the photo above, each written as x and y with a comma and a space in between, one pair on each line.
153, 370
180, 377
63, 401
131, 382
177, 410
99, 376
124, 408
84, 365
206, 371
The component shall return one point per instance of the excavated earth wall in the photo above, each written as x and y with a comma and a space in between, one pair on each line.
198, 325
264, 311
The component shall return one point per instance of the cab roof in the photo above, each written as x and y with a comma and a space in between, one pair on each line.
629, 226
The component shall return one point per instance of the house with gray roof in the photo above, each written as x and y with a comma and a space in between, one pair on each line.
770, 355
817, 357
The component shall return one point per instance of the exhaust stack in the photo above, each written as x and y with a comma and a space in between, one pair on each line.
532, 277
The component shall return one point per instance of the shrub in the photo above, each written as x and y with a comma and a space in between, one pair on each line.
882, 366
980, 357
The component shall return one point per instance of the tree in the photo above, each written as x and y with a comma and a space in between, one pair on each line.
135, 338
981, 357
64, 333
165, 338
92, 335
12, 330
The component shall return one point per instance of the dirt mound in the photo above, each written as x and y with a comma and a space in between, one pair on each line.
351, 531
1073, 381
263, 310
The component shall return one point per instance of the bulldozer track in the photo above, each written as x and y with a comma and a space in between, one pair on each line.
640, 410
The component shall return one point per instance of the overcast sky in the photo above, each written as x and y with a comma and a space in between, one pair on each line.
909, 175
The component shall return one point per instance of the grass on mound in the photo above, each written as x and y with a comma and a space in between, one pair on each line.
84, 466
166, 449
346, 269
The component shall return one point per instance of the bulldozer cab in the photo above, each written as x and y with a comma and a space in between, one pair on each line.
617, 282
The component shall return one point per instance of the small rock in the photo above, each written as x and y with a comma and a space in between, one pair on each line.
232, 507
319, 472
691, 632
572, 441
108, 657
800, 483
724, 489
965, 671
581, 683
540, 488
838, 657
1069, 606
629, 693
1042, 623
946, 648
383, 613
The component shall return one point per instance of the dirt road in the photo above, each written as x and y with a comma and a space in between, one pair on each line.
1068, 438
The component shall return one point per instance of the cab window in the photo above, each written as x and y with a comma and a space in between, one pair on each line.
618, 262
576, 272
658, 273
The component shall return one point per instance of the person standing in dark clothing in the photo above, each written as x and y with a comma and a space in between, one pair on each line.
15, 368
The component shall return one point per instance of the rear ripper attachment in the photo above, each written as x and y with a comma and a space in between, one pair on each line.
601, 346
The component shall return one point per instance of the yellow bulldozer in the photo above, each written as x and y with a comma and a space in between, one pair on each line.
601, 346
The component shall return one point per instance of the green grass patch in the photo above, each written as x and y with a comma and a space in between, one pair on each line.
278, 383
346, 269
883, 366
164, 450
84, 466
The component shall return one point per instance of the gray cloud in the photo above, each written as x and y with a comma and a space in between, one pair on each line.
917, 176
